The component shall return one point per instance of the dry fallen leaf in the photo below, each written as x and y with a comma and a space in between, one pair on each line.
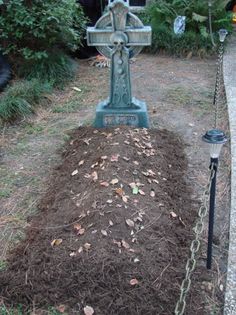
152, 193
87, 246
173, 214
104, 232
117, 243
88, 310
77, 226
74, 172
114, 181
125, 198
126, 158
119, 191
115, 157
56, 242
94, 165
81, 232
129, 222
80, 249
87, 141
94, 176
72, 254
141, 192
104, 184
76, 89
133, 281
125, 244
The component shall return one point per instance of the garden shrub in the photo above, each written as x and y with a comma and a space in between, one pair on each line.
32, 28
196, 39
20, 99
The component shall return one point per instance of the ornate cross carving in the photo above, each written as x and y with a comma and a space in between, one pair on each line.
119, 35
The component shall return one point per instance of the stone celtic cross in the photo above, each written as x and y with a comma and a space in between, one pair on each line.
120, 35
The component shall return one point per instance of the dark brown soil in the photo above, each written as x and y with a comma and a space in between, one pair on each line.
81, 250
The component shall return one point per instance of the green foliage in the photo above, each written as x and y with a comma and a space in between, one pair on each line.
20, 99
31, 29
196, 39
57, 69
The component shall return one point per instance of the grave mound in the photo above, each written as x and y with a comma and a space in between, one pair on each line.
113, 230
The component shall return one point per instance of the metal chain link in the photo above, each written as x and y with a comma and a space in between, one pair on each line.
219, 82
195, 245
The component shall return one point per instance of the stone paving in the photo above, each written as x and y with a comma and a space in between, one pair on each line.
229, 69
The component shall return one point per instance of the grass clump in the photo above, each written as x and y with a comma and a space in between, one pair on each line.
20, 99
57, 69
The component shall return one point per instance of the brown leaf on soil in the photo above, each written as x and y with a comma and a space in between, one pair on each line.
129, 222
87, 246
94, 176
104, 184
133, 281
104, 232
87, 141
125, 198
141, 192
81, 232
88, 310
117, 243
94, 165
115, 157
56, 242
119, 191
114, 181
126, 158
173, 214
77, 226
125, 244
152, 193
74, 172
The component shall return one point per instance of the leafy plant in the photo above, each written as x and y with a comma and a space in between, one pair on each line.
20, 99
196, 38
31, 29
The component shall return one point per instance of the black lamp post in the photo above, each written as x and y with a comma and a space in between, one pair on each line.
216, 138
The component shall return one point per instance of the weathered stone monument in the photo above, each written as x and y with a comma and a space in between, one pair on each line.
120, 35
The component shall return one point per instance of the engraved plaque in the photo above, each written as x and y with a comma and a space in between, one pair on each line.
120, 119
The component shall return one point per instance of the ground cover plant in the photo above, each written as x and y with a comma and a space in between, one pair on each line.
196, 39
20, 99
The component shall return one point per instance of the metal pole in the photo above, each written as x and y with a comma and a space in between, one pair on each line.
214, 163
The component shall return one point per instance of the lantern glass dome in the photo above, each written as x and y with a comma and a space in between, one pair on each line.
222, 34
216, 138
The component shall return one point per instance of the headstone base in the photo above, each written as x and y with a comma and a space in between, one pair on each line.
110, 117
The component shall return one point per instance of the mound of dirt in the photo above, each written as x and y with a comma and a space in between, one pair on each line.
113, 231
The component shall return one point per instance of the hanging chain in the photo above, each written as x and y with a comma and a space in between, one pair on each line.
219, 83
195, 245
